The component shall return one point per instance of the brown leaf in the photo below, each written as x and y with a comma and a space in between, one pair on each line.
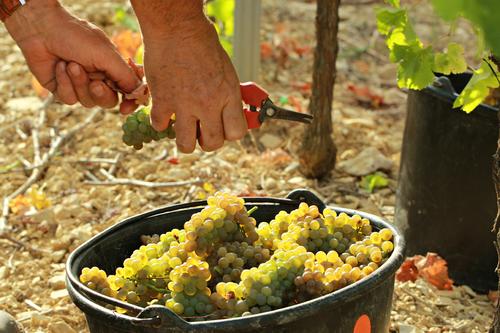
408, 271
365, 96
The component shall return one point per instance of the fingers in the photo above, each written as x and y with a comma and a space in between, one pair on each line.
212, 134
185, 130
102, 94
80, 81
235, 124
118, 70
74, 84
160, 115
64, 92
127, 107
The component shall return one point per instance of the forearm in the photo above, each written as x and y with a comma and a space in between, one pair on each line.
25, 21
164, 16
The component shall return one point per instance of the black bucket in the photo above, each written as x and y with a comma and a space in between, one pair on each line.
446, 199
336, 312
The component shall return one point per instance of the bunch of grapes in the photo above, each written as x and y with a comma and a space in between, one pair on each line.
96, 279
221, 265
190, 295
137, 129
227, 263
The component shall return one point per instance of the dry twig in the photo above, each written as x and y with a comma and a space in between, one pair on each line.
113, 181
42, 162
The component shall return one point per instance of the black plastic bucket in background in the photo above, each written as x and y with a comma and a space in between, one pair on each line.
336, 312
446, 200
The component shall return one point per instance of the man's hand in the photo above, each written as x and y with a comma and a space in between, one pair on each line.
189, 74
61, 50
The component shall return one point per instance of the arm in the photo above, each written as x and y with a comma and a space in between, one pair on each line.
61, 49
189, 74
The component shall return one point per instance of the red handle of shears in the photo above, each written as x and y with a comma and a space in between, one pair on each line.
253, 95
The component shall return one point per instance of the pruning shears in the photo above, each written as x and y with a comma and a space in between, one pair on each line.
259, 107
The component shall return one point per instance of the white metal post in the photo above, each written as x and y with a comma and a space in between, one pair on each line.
246, 41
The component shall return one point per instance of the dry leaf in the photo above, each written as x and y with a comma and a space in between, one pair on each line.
493, 296
19, 204
365, 96
408, 271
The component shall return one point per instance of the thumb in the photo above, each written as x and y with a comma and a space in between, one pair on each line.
117, 69
160, 115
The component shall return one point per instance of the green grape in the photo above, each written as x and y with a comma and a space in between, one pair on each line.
137, 129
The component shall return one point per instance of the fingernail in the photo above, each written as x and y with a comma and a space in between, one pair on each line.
97, 90
75, 70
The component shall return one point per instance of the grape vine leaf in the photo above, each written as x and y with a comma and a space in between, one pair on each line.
393, 3
389, 19
482, 13
415, 65
453, 61
478, 87
448, 10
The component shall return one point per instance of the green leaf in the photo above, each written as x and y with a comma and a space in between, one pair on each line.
448, 9
223, 12
415, 65
389, 19
453, 61
478, 88
482, 13
393, 3
373, 181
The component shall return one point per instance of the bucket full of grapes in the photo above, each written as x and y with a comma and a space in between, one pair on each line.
233, 264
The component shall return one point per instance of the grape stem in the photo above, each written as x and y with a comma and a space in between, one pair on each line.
252, 210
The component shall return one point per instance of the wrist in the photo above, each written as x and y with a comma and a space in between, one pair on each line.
167, 17
26, 20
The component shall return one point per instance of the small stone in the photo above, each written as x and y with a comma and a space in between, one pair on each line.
46, 214
366, 162
271, 141
270, 183
38, 320
403, 328
4, 273
8, 324
82, 233
179, 174
57, 256
60, 327
58, 282
59, 294
297, 181
23, 104
61, 212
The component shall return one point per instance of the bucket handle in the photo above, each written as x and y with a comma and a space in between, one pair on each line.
165, 319
307, 196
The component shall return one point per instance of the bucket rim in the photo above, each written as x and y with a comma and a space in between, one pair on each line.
84, 297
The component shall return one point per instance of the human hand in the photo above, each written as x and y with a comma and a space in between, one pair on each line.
61, 50
190, 74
